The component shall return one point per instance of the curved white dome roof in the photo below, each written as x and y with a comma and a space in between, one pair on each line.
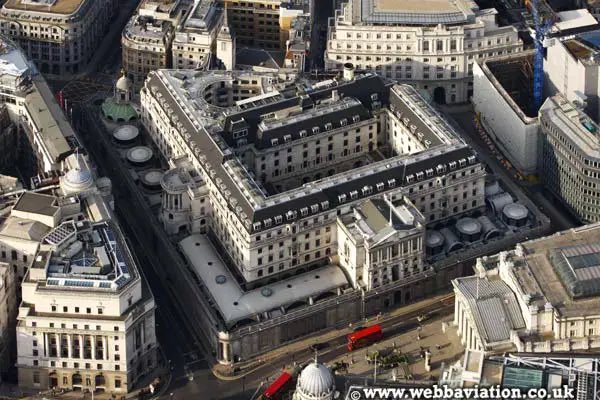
316, 382
123, 84
126, 132
77, 180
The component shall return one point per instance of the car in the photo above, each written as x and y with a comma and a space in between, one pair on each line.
422, 317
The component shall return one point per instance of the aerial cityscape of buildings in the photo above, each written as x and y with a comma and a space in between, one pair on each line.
301, 199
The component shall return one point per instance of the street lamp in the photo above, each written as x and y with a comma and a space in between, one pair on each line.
375, 370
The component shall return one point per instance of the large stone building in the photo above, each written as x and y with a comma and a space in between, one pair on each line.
314, 197
542, 296
170, 34
59, 36
86, 320
572, 68
195, 42
87, 317
431, 45
503, 102
570, 157
263, 23
44, 136
146, 39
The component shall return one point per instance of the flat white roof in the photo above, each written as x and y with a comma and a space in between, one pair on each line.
574, 19
234, 303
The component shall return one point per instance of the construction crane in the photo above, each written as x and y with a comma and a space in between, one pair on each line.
538, 59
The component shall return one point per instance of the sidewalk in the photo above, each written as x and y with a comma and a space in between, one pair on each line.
226, 373
142, 390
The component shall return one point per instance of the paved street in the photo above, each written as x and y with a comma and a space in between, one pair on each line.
105, 65
323, 10
559, 217
444, 347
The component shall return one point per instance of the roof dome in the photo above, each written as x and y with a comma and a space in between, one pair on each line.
118, 112
77, 180
123, 83
316, 382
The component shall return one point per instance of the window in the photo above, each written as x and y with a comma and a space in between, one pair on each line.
53, 308
88, 310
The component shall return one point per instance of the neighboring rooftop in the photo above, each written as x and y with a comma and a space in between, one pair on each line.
45, 6
512, 76
493, 306
85, 256
433, 6
250, 57
583, 131
574, 19
410, 12
579, 268
560, 270
36, 203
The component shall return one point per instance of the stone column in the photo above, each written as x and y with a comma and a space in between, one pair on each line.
46, 348
59, 344
456, 309
104, 348
93, 340
81, 346
70, 345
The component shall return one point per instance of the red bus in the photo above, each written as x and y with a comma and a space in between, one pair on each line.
364, 337
279, 387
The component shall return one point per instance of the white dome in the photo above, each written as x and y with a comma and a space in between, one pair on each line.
315, 383
123, 84
77, 180
126, 132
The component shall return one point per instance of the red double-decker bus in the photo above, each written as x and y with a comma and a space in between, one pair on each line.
279, 387
364, 337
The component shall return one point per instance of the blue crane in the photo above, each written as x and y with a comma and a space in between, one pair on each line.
538, 59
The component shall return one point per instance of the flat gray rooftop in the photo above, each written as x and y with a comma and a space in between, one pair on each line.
412, 12
412, 5
493, 305
539, 275
36, 203
236, 304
